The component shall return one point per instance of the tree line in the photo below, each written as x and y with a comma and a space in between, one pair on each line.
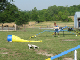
10, 13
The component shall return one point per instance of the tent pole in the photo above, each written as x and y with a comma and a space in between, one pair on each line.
75, 55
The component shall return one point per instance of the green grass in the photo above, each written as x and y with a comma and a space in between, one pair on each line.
50, 44
51, 24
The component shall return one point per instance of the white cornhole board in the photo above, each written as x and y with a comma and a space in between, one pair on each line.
35, 46
29, 45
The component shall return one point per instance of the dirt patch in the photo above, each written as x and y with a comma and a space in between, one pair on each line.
70, 40
68, 59
43, 52
4, 53
14, 54
10, 52
3, 49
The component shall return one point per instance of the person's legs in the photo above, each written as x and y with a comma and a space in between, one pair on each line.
58, 34
53, 33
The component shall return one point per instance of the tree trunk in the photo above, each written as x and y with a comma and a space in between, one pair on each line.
24, 28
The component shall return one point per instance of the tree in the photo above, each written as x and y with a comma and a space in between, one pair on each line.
2, 17
3, 4
9, 14
56, 18
23, 18
53, 10
34, 14
5, 0
64, 17
59, 15
11, 11
69, 20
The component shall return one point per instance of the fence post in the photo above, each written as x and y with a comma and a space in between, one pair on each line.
75, 55
2, 27
8, 28
40, 27
15, 27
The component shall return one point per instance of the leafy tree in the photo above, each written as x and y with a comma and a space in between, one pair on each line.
59, 15
2, 0
12, 14
35, 15
2, 17
69, 20
40, 19
56, 18
11, 11
53, 10
53, 13
64, 17
40, 16
23, 18
5, 0
3, 4
9, 14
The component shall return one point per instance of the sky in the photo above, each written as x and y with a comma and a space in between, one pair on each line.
43, 4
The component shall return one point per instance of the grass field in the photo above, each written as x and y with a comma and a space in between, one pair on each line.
51, 24
49, 44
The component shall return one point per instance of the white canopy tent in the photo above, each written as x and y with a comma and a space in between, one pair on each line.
77, 20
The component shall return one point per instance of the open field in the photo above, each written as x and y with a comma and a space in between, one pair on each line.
33, 24
51, 24
49, 45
